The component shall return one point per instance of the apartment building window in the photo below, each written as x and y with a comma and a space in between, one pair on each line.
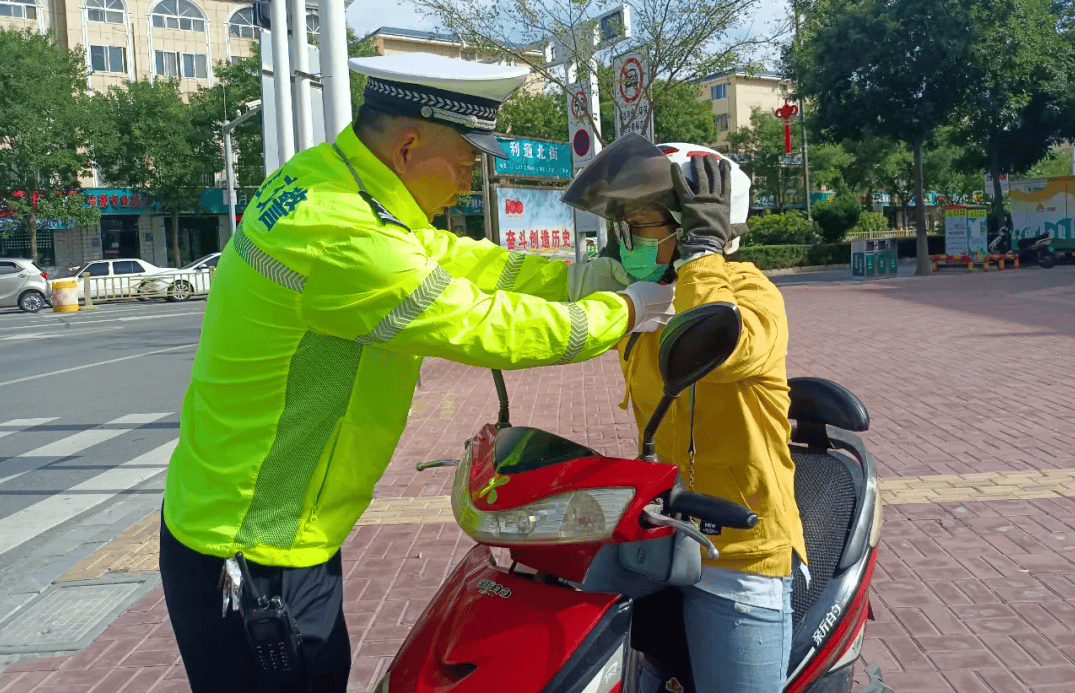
721, 121
18, 8
718, 92
178, 14
242, 24
313, 23
107, 11
108, 58
190, 65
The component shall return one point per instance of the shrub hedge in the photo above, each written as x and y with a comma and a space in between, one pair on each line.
767, 257
789, 228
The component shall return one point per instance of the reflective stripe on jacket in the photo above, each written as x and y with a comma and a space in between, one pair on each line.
741, 429
323, 305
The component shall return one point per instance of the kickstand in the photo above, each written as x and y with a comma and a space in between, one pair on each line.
876, 685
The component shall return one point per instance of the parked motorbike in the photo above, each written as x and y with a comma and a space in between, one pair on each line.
589, 602
1037, 249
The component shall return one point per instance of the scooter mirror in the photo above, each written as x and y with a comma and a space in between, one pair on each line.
695, 342
692, 344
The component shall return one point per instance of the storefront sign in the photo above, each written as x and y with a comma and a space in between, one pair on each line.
536, 221
534, 158
118, 201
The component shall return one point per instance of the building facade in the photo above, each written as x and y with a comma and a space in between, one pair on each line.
125, 40
734, 96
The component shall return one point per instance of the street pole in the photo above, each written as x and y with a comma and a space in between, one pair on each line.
335, 73
229, 170
300, 53
802, 122
1072, 143
281, 68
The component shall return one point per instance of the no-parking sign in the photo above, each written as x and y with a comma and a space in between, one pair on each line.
631, 81
580, 106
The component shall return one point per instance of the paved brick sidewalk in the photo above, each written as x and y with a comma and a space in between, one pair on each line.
975, 590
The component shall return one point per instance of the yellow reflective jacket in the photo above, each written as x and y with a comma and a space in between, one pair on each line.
741, 429
323, 305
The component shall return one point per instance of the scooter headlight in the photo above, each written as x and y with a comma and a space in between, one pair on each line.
584, 515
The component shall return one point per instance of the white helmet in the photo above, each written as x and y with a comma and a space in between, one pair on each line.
681, 153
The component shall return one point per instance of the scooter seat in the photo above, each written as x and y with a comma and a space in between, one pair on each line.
820, 401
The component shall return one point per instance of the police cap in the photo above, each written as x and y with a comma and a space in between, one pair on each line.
458, 93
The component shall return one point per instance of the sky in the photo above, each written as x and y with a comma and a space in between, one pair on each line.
365, 16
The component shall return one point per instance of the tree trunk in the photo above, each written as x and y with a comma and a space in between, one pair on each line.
32, 231
998, 192
925, 267
175, 239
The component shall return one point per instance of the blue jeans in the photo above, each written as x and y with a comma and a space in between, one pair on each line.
737, 648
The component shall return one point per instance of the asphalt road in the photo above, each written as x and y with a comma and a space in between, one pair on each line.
89, 414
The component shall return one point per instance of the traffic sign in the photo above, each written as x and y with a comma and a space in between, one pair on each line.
633, 108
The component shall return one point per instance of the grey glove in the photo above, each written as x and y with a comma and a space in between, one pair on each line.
705, 205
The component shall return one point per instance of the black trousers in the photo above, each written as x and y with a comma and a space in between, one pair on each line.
215, 650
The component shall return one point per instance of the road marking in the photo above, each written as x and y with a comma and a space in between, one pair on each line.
76, 443
22, 526
60, 323
57, 335
98, 363
16, 425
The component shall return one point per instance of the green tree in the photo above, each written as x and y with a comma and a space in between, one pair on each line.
43, 132
897, 68
235, 84
534, 115
761, 146
838, 214
1016, 108
155, 145
679, 39
1056, 163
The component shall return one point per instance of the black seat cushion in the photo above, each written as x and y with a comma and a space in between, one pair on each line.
826, 492
816, 400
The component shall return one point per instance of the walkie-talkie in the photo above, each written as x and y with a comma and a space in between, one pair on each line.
273, 634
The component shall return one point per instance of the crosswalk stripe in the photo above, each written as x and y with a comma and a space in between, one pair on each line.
16, 425
76, 443
22, 526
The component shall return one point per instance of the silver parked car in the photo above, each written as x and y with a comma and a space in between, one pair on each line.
23, 284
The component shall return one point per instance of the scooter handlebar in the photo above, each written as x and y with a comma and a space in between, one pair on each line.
720, 511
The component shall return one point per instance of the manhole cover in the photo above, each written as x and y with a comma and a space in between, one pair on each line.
69, 615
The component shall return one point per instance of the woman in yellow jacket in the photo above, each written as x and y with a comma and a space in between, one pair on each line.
735, 445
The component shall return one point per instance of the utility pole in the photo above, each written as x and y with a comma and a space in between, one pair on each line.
229, 170
802, 122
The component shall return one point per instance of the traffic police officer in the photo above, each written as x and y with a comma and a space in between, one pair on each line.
326, 300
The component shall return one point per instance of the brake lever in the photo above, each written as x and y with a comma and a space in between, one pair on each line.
422, 466
685, 527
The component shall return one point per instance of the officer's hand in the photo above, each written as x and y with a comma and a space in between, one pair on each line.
599, 274
652, 305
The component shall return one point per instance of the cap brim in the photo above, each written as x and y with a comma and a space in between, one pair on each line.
485, 141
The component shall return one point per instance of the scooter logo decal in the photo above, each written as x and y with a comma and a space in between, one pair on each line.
673, 685
490, 488
493, 589
830, 619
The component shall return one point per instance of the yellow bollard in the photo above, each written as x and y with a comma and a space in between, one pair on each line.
934, 258
1000, 263
1015, 261
65, 295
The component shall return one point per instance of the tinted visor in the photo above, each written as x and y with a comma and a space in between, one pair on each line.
485, 141
628, 175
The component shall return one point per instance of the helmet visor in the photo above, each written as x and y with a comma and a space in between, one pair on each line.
627, 176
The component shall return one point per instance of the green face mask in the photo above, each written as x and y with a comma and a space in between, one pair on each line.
641, 260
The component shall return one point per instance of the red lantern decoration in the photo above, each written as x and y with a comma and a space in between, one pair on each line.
787, 112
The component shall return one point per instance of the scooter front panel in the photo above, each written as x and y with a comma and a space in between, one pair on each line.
489, 630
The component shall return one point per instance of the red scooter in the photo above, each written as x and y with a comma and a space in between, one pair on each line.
587, 603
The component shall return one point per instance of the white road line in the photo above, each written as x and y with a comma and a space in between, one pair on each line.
99, 363
22, 526
61, 324
16, 425
76, 443
61, 334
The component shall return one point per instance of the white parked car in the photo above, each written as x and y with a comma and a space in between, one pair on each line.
118, 278
179, 285
23, 284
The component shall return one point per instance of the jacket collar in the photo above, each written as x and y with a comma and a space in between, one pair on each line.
380, 181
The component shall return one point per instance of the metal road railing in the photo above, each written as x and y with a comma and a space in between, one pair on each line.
178, 286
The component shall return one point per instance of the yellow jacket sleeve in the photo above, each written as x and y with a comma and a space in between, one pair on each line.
383, 289
492, 268
765, 324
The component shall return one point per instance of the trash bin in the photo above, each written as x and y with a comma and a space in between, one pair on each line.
65, 295
874, 257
